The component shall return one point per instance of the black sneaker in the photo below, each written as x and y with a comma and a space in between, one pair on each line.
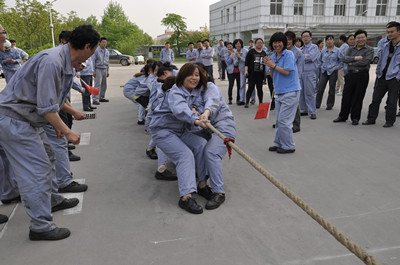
140, 122
240, 103
104, 100
55, 234
96, 103
205, 192
166, 175
3, 219
285, 151
216, 200
273, 148
16, 199
190, 205
253, 101
71, 147
65, 204
152, 153
72, 157
246, 106
74, 187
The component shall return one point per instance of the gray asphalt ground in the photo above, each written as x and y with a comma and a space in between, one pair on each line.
349, 174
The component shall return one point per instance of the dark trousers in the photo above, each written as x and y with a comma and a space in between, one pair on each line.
355, 85
297, 119
324, 78
392, 88
88, 79
223, 70
399, 100
209, 70
255, 80
232, 77
66, 118
271, 91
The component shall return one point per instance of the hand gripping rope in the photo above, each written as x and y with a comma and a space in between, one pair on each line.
345, 241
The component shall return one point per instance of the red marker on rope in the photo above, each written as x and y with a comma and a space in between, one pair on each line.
226, 142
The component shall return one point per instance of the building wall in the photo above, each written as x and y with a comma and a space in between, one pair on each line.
253, 19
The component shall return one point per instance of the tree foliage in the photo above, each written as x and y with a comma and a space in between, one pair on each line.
178, 25
29, 24
121, 33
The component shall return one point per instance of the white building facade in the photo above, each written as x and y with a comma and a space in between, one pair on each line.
250, 19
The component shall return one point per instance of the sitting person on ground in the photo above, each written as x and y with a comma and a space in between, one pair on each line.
171, 121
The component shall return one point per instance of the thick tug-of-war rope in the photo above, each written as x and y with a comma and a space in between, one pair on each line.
345, 241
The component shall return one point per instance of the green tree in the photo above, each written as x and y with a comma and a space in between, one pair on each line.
28, 22
92, 20
178, 25
121, 34
196, 36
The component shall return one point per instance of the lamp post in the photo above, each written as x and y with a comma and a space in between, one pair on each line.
51, 24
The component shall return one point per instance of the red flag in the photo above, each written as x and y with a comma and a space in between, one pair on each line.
263, 111
92, 90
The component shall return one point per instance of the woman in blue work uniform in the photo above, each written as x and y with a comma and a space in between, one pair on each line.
171, 121
216, 111
287, 92
131, 86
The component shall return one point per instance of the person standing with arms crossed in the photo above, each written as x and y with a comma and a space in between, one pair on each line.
358, 58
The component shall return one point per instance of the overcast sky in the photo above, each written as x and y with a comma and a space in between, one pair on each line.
145, 13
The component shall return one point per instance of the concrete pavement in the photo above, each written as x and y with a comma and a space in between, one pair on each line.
349, 174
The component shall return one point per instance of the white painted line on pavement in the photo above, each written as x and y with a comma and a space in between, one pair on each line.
315, 260
2, 232
85, 139
363, 214
166, 241
77, 209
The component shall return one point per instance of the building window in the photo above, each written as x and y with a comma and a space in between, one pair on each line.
298, 7
222, 16
340, 7
381, 7
319, 7
361, 8
227, 15
234, 13
276, 7
398, 9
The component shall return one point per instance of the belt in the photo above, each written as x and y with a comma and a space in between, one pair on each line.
356, 71
12, 114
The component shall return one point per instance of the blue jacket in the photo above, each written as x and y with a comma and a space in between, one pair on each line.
174, 110
242, 61
331, 61
12, 54
229, 62
393, 70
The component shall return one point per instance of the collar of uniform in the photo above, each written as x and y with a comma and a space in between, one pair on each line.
195, 92
390, 43
363, 47
283, 54
308, 45
67, 63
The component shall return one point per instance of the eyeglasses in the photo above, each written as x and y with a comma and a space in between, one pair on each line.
3, 32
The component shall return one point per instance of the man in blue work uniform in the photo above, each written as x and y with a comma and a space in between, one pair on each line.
309, 76
101, 64
30, 101
10, 60
167, 54
388, 77
86, 75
